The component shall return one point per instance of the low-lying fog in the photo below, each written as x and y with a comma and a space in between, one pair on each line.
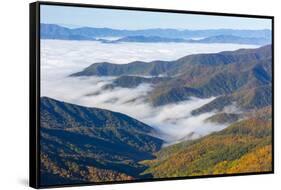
174, 121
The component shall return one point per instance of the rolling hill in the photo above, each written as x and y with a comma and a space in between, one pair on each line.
179, 66
243, 147
229, 76
80, 144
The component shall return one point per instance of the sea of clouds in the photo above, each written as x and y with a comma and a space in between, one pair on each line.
173, 122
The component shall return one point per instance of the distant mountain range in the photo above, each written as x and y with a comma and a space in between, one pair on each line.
259, 37
80, 144
212, 39
233, 39
146, 39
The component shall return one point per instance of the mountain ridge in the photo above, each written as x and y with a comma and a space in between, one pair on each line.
158, 67
244, 146
109, 145
198, 75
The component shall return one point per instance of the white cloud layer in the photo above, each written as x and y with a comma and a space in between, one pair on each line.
173, 122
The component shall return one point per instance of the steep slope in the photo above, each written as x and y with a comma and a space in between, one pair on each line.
246, 99
216, 79
244, 146
224, 118
90, 144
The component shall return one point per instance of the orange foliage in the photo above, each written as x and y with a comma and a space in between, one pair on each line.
255, 161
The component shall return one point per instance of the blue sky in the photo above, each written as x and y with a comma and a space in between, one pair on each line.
124, 19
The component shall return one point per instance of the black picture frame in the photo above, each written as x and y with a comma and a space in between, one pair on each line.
34, 90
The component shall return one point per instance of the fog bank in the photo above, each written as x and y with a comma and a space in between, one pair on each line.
173, 122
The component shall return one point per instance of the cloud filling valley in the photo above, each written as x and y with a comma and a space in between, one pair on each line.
173, 122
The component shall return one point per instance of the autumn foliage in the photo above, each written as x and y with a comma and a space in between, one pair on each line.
242, 147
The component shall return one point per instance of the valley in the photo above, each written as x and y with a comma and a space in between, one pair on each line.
201, 114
